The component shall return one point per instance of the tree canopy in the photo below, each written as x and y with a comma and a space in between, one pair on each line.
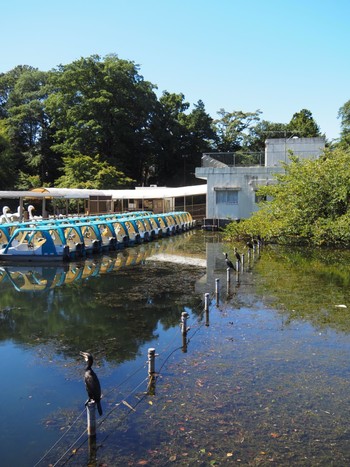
97, 122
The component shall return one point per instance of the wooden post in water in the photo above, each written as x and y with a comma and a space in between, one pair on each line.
242, 261
228, 275
91, 418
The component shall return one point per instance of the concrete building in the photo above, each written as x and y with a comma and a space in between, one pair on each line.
232, 189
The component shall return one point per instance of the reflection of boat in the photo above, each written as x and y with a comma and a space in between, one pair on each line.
74, 238
34, 278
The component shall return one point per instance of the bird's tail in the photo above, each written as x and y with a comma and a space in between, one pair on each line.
99, 407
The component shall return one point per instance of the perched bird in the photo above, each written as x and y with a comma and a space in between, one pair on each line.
250, 245
229, 262
237, 255
93, 387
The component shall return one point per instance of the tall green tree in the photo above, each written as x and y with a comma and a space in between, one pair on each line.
23, 91
344, 115
103, 107
303, 125
232, 129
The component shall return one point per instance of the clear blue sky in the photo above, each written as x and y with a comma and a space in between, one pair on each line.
279, 56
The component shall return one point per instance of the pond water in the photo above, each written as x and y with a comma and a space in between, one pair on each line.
262, 378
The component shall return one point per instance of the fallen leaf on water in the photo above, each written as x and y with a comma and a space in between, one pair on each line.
275, 435
172, 458
142, 462
150, 402
229, 454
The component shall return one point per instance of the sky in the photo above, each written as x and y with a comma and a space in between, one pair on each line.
276, 56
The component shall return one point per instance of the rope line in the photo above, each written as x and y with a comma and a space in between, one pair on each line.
197, 325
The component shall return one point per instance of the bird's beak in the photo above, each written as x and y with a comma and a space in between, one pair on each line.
83, 354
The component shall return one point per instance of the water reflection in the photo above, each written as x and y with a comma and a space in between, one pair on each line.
36, 279
112, 303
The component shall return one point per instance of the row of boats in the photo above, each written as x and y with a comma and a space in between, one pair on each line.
72, 238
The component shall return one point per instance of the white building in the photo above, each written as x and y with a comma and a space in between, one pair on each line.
231, 189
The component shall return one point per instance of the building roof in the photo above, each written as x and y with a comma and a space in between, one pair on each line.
137, 193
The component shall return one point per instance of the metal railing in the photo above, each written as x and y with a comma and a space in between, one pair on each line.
233, 159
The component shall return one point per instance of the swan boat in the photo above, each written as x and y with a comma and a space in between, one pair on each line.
77, 237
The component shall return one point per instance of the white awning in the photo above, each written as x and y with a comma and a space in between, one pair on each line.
137, 193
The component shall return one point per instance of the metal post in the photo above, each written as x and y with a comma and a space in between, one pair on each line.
217, 290
91, 418
242, 261
151, 361
184, 328
206, 302
206, 308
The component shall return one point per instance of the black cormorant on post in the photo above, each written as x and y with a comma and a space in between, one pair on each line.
237, 255
93, 387
229, 262
250, 245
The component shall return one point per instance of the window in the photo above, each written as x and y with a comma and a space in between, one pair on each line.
226, 197
259, 198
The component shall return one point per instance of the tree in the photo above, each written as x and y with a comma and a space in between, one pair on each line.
232, 129
303, 125
23, 91
103, 107
89, 172
344, 115
7, 159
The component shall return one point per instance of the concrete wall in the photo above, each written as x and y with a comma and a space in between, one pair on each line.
277, 150
243, 179
246, 180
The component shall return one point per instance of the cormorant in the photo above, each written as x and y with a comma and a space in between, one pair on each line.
250, 245
229, 262
237, 255
93, 387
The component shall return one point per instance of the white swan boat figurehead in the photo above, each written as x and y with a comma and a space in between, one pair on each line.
31, 208
4, 219
16, 216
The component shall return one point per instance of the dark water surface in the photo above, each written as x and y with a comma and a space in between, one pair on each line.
262, 379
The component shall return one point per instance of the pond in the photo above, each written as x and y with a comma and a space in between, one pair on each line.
261, 378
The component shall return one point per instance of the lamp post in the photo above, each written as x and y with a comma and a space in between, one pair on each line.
285, 145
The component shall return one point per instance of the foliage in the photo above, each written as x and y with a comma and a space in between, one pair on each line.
303, 125
309, 204
103, 107
344, 115
26, 181
232, 129
89, 172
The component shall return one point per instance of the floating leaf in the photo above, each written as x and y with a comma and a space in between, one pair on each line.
229, 454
